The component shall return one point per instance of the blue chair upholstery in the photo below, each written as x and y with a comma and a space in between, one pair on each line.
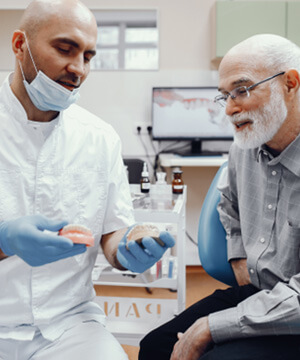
212, 243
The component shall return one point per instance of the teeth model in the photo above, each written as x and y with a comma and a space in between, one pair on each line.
79, 234
139, 231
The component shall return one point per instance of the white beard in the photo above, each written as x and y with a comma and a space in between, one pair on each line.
266, 122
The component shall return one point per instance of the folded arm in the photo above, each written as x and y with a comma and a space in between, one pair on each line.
268, 312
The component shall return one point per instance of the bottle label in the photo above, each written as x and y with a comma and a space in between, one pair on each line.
145, 186
178, 187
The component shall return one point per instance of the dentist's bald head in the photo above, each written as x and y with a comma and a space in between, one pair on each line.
40, 13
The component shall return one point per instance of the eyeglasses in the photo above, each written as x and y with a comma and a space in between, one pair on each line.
241, 92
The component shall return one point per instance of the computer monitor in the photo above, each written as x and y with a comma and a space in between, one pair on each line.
189, 113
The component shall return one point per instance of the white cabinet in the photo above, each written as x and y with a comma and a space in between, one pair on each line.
129, 319
198, 173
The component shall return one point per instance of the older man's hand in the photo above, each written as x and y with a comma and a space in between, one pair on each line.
192, 343
239, 267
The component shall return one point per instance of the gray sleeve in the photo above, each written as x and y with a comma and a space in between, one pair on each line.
229, 213
268, 312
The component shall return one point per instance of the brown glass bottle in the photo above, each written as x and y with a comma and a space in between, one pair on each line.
177, 182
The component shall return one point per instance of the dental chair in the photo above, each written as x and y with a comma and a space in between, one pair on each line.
212, 243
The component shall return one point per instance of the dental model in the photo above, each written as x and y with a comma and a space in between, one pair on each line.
79, 234
138, 232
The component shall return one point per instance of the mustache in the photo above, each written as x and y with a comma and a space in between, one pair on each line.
251, 117
241, 117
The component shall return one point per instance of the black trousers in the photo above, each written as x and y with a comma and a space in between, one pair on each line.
158, 344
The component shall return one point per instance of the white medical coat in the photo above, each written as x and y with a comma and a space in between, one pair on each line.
76, 174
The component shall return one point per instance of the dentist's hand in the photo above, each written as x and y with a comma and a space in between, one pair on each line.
137, 258
25, 238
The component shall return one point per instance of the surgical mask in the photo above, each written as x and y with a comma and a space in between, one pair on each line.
45, 93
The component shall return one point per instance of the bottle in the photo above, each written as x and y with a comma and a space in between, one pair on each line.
177, 182
161, 178
145, 181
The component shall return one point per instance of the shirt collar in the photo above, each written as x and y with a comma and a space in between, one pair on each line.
289, 157
11, 102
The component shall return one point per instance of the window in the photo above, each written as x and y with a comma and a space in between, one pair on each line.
127, 40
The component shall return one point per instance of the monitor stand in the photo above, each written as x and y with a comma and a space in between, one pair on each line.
196, 150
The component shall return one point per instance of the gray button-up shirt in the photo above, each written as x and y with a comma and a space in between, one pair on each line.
260, 211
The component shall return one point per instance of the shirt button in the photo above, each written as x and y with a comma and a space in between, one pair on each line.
270, 206
274, 172
251, 271
262, 240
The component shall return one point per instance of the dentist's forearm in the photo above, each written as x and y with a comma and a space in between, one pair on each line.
109, 244
2, 255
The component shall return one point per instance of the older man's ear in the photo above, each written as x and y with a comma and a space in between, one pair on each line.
292, 80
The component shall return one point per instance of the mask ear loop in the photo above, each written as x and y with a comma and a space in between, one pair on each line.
21, 70
30, 54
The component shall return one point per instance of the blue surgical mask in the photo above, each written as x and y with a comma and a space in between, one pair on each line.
47, 94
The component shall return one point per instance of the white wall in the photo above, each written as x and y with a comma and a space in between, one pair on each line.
123, 98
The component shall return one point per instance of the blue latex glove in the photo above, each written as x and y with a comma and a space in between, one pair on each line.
25, 238
138, 259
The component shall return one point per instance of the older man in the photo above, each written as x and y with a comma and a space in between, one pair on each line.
58, 164
259, 208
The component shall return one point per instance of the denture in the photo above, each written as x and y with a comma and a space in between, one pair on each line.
79, 234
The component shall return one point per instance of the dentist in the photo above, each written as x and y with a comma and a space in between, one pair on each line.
58, 164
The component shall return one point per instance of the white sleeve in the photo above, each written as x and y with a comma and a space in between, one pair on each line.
119, 210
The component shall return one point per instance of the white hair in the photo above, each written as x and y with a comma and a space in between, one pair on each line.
273, 52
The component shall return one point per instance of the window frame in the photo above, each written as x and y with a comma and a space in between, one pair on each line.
125, 19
